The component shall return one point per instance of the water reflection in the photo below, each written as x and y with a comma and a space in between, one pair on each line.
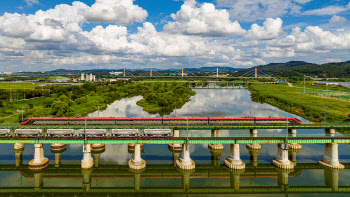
219, 102
112, 179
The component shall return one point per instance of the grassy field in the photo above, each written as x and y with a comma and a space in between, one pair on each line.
308, 106
18, 86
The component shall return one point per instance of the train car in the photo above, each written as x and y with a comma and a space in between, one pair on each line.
5, 132
92, 121
45, 121
125, 132
28, 133
183, 121
93, 132
59, 133
157, 132
138, 121
277, 121
229, 120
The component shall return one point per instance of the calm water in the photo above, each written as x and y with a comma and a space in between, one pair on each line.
112, 176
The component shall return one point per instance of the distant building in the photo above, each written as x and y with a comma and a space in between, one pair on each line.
90, 77
82, 77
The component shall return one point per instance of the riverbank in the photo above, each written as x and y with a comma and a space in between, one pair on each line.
75, 101
291, 99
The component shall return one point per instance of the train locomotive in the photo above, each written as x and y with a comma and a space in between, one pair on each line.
171, 121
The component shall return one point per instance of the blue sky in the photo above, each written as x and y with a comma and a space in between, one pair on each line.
51, 34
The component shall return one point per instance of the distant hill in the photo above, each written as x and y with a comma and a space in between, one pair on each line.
328, 70
273, 68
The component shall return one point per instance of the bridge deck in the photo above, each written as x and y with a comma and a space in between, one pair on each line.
183, 140
182, 127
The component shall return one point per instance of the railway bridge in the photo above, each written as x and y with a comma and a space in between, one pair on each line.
182, 139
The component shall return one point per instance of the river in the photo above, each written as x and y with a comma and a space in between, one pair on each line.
113, 177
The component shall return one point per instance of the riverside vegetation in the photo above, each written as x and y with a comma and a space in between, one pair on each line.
293, 100
79, 100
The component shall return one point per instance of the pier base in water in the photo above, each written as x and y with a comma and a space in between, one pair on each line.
98, 147
39, 162
185, 162
330, 158
282, 161
58, 146
136, 162
234, 161
87, 161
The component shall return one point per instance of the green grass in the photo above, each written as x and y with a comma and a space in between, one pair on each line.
308, 106
18, 86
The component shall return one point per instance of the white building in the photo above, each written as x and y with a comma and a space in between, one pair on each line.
82, 77
90, 77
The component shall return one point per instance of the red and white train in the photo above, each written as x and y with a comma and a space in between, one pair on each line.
162, 121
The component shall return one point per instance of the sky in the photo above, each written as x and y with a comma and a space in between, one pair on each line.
42, 35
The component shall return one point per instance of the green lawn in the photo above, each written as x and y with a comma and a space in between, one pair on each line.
18, 86
308, 106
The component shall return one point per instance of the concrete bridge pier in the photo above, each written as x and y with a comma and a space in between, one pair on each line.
86, 179
215, 133
282, 161
38, 180
136, 162
216, 156
97, 154
234, 161
176, 133
235, 176
19, 156
58, 153
39, 161
17, 146
87, 161
185, 162
330, 158
331, 178
253, 133
294, 146
254, 153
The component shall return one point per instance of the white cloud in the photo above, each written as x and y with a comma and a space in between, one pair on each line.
31, 2
193, 19
52, 25
111, 38
329, 10
338, 19
271, 28
122, 12
165, 44
252, 10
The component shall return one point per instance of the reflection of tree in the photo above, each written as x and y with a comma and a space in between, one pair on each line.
163, 99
